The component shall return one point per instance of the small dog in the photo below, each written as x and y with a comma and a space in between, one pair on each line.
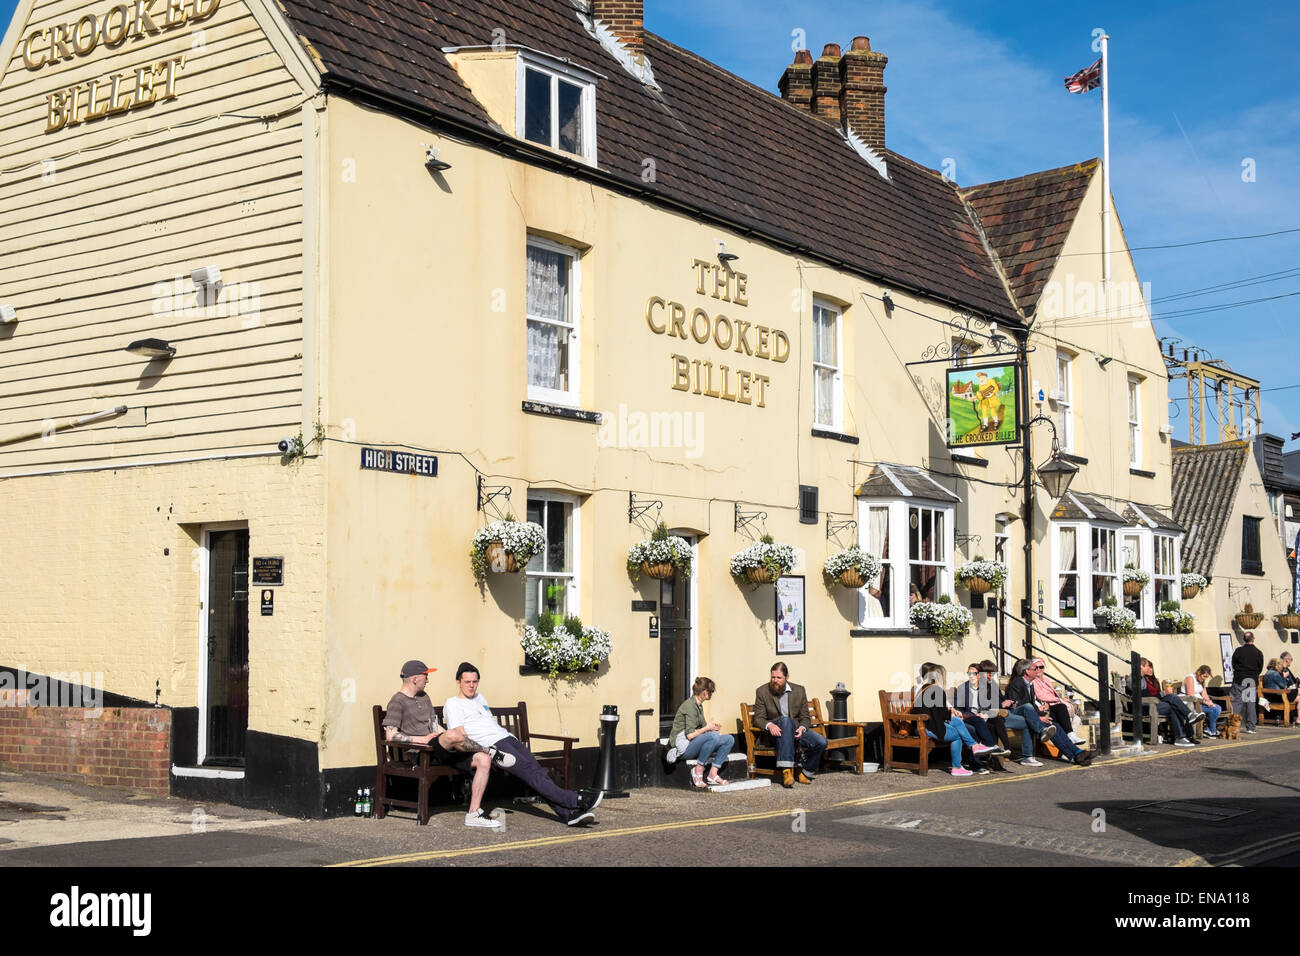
1231, 728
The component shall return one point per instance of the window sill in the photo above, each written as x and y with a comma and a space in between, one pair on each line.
1140, 473
834, 435
968, 460
529, 669
1074, 459
1257, 572
561, 411
881, 631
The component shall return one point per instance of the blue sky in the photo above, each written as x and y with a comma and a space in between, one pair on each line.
1197, 89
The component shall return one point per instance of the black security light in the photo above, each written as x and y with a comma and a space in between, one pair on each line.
152, 348
725, 257
433, 163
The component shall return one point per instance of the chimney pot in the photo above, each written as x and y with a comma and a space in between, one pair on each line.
862, 94
831, 49
803, 56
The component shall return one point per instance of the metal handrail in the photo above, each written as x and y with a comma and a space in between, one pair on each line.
1068, 630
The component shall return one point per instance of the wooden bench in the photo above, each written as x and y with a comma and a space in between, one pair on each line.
1282, 707
901, 728
1150, 721
415, 761
854, 743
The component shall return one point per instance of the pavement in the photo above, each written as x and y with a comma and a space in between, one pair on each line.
1220, 804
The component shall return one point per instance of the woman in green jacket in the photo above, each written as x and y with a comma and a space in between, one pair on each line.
693, 736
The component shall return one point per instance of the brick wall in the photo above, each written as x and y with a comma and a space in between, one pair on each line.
126, 747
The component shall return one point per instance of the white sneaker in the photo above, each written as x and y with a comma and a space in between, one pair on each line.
1031, 762
501, 758
1076, 738
479, 819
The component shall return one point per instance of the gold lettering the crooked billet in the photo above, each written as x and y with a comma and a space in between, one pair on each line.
110, 96
138, 20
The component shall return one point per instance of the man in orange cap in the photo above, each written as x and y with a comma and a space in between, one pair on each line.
410, 719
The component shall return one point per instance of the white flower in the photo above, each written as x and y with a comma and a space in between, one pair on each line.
564, 650
777, 558
671, 550
854, 558
1193, 580
945, 619
1118, 619
1138, 575
994, 572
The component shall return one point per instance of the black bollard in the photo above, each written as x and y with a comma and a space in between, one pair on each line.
607, 769
839, 712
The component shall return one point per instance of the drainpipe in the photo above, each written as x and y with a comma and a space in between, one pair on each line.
1027, 485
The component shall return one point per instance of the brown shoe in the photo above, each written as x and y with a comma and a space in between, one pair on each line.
787, 777
803, 778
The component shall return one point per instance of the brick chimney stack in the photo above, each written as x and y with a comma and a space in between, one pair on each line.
862, 96
826, 84
796, 83
626, 18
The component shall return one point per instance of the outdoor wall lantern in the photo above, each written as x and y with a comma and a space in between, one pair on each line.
7, 314
725, 257
1056, 473
888, 301
152, 348
433, 163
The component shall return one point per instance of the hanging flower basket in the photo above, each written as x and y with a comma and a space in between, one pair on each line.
1249, 618
852, 567
980, 576
1192, 584
1289, 621
1134, 581
505, 547
764, 562
662, 557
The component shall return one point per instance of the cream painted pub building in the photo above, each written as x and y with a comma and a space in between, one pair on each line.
297, 298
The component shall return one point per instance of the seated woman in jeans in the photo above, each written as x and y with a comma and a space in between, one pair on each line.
943, 722
1194, 687
693, 736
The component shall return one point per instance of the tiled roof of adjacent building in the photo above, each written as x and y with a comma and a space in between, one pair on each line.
723, 148
1026, 220
1206, 479
903, 481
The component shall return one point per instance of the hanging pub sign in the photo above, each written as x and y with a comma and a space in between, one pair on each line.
982, 405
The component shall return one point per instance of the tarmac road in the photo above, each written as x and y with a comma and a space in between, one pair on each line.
1220, 804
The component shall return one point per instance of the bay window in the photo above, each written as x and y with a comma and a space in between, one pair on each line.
914, 541
1105, 575
1165, 572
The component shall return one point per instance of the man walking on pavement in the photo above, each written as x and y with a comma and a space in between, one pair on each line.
409, 719
1247, 665
469, 712
781, 712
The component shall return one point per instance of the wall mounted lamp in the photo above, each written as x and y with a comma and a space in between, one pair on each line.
1103, 360
7, 314
888, 301
152, 348
1056, 473
433, 163
725, 257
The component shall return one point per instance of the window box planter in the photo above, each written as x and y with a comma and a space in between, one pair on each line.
562, 645
946, 621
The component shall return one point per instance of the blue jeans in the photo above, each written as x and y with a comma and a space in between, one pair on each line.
814, 745
956, 735
1212, 712
1177, 712
979, 727
711, 747
1025, 719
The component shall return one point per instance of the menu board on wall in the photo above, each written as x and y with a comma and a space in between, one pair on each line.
791, 627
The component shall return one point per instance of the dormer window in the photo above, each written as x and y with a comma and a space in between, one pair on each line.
556, 107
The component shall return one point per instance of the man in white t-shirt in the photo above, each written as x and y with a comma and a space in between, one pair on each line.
468, 711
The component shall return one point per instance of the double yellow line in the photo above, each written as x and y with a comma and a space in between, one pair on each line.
585, 835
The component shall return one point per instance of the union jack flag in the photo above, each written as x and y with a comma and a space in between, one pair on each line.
1089, 78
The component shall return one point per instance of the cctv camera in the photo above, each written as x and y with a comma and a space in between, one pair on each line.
288, 446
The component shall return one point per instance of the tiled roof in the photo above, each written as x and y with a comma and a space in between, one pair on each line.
721, 146
1206, 479
903, 481
1027, 219
1079, 506
1139, 514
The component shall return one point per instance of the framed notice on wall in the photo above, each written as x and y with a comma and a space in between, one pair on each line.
1225, 652
982, 403
791, 627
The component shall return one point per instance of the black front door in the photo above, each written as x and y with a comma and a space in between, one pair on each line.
227, 651
675, 677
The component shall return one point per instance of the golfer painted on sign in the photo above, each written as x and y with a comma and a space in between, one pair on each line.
988, 405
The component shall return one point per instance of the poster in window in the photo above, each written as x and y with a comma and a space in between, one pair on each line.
791, 627
982, 405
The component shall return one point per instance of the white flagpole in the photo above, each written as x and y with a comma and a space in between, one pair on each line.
1105, 170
